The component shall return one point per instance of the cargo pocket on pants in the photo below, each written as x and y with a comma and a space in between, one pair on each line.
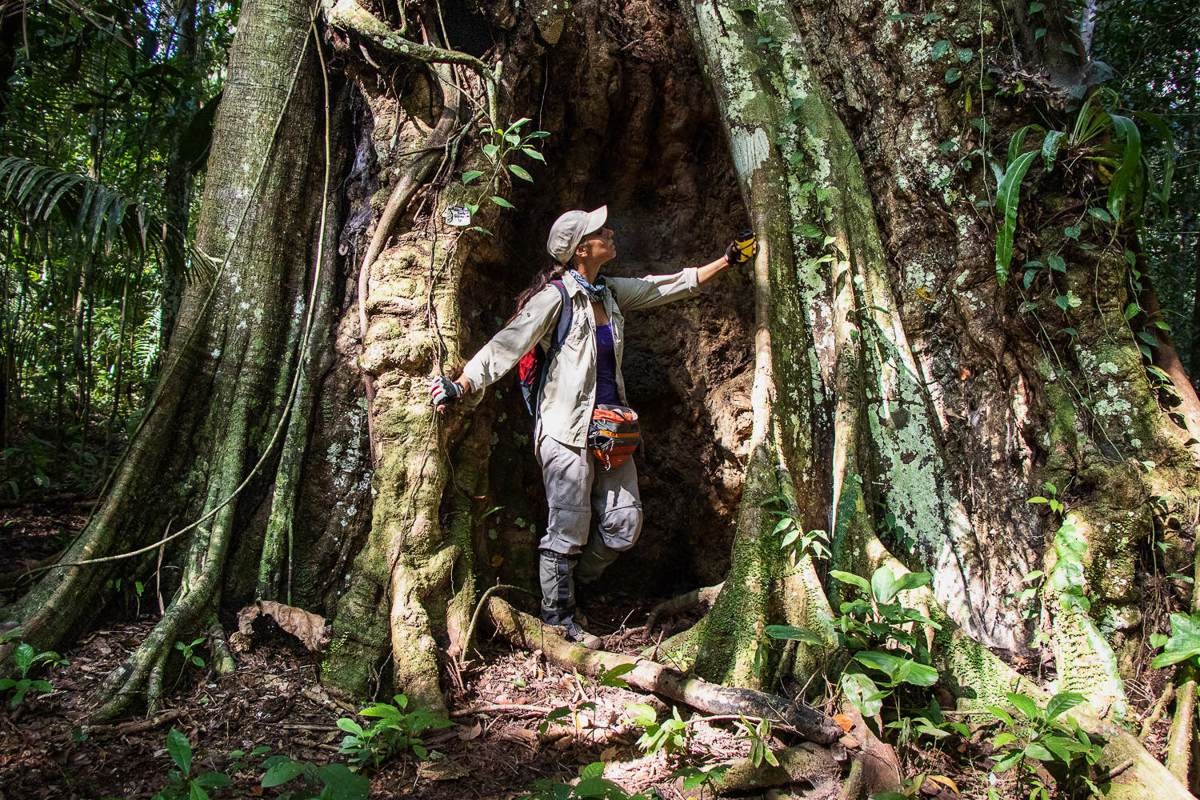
620, 527
566, 529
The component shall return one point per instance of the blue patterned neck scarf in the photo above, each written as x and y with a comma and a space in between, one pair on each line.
595, 293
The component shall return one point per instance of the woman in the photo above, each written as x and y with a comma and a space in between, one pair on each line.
583, 372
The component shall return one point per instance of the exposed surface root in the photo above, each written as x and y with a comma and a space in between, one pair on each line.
525, 631
804, 764
1183, 727
704, 596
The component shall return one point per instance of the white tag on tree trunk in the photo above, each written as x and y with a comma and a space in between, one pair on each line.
457, 216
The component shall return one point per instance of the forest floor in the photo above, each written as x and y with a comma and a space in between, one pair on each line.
518, 719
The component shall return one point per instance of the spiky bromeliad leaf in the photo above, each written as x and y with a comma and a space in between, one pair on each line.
1124, 179
92, 216
1007, 198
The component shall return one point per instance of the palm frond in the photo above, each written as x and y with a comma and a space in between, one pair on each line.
90, 216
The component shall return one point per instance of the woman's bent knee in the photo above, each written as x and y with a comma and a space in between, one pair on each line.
620, 527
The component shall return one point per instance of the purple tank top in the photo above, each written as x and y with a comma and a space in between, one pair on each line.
606, 367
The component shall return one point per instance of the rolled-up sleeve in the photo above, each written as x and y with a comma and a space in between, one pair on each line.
654, 290
514, 340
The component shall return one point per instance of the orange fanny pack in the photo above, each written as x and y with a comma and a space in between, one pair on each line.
613, 434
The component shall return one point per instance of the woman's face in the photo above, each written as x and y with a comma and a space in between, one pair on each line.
597, 247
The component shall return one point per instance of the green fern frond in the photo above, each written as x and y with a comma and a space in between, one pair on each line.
88, 215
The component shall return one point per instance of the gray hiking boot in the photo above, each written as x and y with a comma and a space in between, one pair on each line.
574, 632
570, 629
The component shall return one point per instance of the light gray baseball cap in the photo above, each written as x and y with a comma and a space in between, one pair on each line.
569, 228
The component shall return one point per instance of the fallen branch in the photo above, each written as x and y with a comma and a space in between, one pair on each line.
500, 708
137, 725
526, 631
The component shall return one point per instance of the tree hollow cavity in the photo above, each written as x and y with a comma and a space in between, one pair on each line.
637, 131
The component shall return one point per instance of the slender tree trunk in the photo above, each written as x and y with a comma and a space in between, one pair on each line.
177, 189
258, 214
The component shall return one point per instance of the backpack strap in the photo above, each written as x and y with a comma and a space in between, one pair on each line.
564, 320
556, 340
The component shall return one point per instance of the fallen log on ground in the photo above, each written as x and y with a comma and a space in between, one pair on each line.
523, 630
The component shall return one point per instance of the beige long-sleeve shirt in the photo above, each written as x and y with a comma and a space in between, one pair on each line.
569, 393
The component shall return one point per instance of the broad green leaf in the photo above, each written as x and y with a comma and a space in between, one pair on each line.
1063, 702
612, 677
1017, 142
213, 780
596, 787
1008, 197
1038, 751
342, 784
1050, 146
913, 580
196, 792
862, 692
1183, 643
939, 49
952, 75
534, 154
491, 151
500, 201
181, 750
1024, 704
884, 662
381, 711
1002, 715
23, 658
592, 770
851, 578
1061, 747
883, 585
471, 175
281, 773
520, 172
793, 633
350, 726
1005, 763
1131, 161
917, 674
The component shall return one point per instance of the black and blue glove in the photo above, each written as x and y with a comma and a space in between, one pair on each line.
443, 391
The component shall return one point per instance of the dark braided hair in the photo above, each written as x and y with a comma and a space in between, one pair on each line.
555, 271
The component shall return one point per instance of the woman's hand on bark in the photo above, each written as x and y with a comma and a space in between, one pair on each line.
443, 391
742, 249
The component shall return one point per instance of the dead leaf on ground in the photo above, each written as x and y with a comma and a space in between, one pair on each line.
309, 628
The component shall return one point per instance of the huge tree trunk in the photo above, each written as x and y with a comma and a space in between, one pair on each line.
869, 371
